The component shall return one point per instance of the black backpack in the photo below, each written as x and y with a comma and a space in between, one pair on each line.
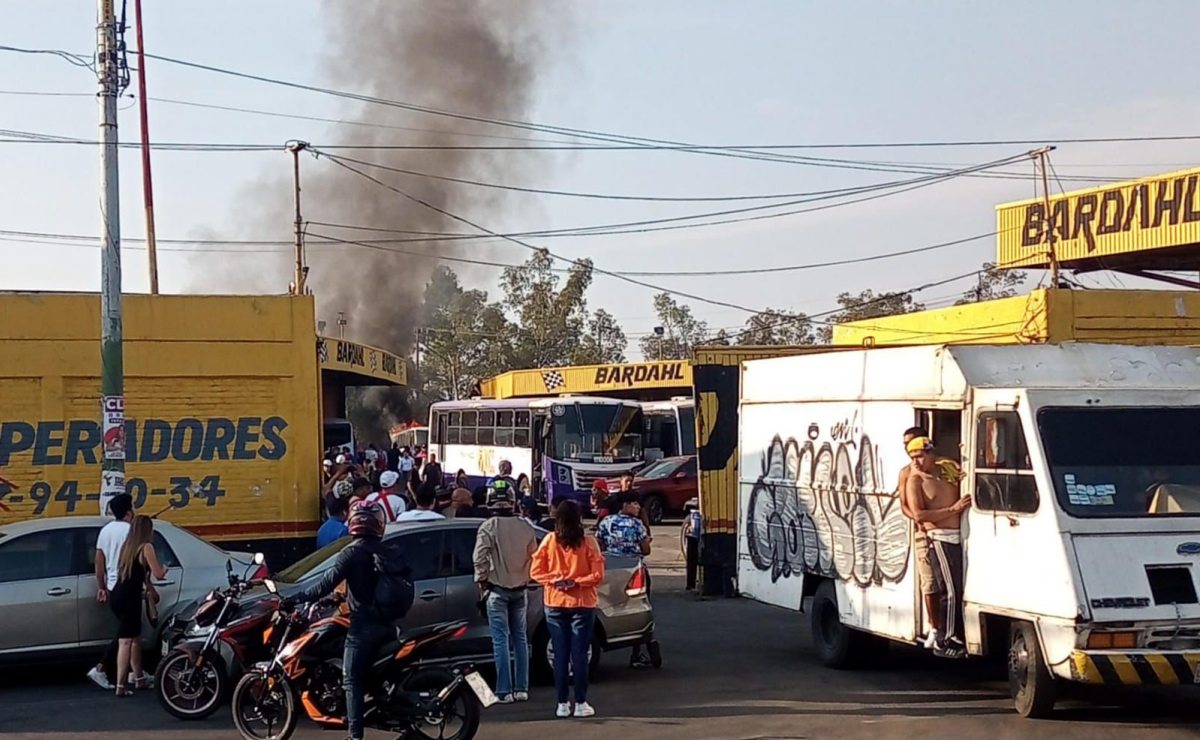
394, 591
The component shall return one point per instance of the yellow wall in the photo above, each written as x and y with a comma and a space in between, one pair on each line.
1043, 316
240, 370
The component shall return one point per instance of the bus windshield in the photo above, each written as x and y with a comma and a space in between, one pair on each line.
1123, 462
599, 433
687, 430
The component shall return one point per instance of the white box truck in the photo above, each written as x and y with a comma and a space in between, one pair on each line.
1082, 547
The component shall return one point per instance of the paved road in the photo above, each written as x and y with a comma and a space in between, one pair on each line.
733, 670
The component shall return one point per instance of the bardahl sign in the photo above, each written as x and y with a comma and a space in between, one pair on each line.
629, 375
1137, 216
362, 359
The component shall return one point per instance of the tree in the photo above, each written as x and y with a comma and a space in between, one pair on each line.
776, 327
681, 331
868, 305
550, 319
462, 338
994, 282
604, 342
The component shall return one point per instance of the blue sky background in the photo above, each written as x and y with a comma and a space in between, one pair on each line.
706, 72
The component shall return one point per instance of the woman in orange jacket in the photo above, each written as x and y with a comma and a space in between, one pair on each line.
570, 567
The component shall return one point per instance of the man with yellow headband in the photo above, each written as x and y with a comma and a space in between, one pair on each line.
930, 593
937, 508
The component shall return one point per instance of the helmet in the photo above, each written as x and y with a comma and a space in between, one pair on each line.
343, 488
366, 519
505, 467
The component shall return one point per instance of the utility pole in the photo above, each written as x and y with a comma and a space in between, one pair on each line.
112, 361
301, 276
147, 182
1042, 155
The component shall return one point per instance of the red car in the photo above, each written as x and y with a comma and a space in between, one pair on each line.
666, 485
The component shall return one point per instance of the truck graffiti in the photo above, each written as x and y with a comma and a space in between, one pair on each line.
818, 507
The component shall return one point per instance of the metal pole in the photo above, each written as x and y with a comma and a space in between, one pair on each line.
295, 147
1042, 154
147, 183
112, 364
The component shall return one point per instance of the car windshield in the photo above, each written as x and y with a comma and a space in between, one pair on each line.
596, 432
659, 470
1124, 462
301, 568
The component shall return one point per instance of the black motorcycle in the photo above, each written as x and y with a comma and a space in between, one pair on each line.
403, 697
194, 676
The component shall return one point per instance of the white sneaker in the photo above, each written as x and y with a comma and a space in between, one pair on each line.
564, 710
146, 677
931, 640
506, 699
520, 696
583, 709
97, 677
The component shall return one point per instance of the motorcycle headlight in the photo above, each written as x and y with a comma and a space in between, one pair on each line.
196, 630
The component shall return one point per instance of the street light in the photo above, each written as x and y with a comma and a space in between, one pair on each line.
658, 332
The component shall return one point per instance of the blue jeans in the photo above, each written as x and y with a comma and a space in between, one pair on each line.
570, 634
506, 617
362, 642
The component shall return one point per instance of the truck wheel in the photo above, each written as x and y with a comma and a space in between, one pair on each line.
837, 646
1029, 681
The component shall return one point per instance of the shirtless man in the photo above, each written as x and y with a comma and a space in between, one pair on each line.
929, 586
937, 507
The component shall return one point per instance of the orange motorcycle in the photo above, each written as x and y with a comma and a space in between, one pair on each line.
402, 697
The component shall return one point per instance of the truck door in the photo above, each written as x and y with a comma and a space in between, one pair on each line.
1004, 538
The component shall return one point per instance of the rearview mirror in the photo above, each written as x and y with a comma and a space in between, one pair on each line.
271, 587
259, 558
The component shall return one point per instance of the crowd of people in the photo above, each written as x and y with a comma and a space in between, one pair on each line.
568, 563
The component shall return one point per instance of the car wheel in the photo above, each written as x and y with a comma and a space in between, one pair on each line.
543, 655
655, 508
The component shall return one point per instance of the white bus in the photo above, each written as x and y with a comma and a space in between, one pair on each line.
411, 437
558, 447
670, 428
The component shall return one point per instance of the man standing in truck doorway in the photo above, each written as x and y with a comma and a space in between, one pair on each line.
937, 507
930, 594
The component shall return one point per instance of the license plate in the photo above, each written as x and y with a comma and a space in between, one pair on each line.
166, 647
486, 696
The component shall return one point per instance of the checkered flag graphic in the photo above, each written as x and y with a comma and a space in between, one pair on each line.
553, 380
322, 351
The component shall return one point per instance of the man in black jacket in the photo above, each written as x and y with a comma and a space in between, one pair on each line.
355, 564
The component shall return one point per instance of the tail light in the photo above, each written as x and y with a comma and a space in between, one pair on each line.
637, 582
459, 632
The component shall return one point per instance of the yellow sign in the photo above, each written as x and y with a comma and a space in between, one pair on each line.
361, 359
1145, 215
583, 379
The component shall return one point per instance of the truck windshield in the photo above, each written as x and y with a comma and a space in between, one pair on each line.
1124, 462
598, 433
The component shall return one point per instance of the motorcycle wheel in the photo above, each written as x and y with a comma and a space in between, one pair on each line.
264, 709
460, 716
188, 692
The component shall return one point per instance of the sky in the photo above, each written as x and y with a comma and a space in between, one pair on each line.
714, 73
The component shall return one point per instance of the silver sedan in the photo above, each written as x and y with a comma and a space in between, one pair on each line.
48, 607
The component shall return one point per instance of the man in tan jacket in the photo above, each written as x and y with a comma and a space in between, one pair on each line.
504, 550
